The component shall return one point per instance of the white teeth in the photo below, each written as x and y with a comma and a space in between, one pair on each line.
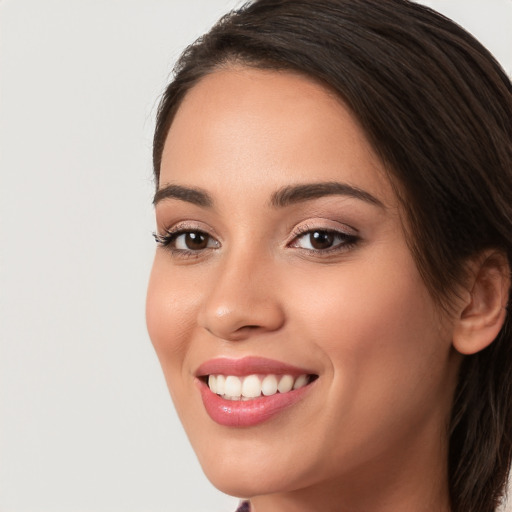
212, 383
285, 384
300, 382
251, 387
269, 385
221, 384
232, 387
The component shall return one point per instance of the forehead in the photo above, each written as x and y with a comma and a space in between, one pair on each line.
279, 126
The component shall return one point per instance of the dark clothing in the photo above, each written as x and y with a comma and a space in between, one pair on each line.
244, 506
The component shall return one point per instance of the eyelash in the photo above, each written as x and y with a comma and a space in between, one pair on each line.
170, 236
346, 241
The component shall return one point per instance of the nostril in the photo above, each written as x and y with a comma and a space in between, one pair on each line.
225, 318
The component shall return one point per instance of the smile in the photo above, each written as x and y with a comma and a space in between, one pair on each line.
250, 391
231, 387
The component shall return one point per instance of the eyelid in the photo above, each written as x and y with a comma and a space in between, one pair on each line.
321, 224
349, 235
187, 225
167, 236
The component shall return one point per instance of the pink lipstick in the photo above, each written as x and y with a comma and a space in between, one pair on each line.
249, 391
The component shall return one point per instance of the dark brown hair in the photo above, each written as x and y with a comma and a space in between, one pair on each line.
437, 108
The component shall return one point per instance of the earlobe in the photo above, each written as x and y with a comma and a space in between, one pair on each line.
484, 312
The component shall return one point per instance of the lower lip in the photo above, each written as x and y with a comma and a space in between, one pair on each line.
247, 413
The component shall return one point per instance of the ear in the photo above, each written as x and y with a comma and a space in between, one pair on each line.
484, 309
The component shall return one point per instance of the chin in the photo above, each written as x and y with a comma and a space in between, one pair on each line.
246, 484
244, 474
239, 476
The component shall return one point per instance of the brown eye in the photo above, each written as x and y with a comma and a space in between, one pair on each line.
321, 239
187, 241
194, 240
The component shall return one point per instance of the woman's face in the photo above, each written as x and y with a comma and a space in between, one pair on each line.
282, 253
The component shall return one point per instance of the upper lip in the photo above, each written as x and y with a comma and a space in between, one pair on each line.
248, 366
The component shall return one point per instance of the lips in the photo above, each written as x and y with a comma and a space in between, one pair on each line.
249, 391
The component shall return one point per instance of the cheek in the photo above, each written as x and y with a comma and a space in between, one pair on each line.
170, 314
388, 363
378, 328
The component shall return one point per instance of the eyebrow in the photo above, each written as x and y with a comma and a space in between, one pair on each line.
283, 197
289, 195
195, 196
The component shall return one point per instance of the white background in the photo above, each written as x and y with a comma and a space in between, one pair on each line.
86, 424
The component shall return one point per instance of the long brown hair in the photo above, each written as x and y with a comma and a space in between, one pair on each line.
437, 108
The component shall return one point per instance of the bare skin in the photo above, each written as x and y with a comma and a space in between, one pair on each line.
370, 432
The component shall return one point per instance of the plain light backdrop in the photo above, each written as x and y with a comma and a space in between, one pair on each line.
86, 424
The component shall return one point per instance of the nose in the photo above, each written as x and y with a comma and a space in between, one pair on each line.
242, 301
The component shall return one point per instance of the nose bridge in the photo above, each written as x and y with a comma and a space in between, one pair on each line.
243, 298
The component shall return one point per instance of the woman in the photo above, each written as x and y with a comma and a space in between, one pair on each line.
328, 297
